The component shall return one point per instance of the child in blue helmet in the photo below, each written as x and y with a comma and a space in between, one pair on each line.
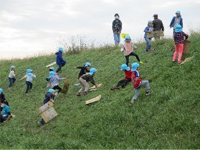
54, 81
5, 113
86, 78
2, 98
29, 79
149, 28
49, 96
176, 20
11, 76
122, 83
56, 74
59, 59
138, 82
84, 69
128, 48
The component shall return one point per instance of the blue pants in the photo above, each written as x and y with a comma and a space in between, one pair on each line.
116, 38
59, 68
29, 86
12, 81
148, 40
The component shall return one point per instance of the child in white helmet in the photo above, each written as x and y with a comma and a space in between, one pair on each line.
128, 48
11, 76
86, 78
138, 82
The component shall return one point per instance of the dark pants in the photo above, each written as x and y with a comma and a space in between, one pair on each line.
12, 81
121, 84
131, 54
29, 86
58, 88
59, 68
2, 119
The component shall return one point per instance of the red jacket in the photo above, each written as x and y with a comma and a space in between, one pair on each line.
128, 74
136, 79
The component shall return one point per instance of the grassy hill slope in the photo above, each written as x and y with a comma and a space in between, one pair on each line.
169, 118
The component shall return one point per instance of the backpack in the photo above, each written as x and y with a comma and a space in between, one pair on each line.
136, 79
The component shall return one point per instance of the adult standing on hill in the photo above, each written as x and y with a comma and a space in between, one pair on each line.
157, 25
176, 20
116, 27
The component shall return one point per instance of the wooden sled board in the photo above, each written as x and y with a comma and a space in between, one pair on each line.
23, 77
49, 65
187, 59
93, 87
93, 100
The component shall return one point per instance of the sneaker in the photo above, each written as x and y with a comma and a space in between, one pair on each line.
56, 93
78, 94
85, 93
132, 101
149, 92
180, 62
141, 62
39, 123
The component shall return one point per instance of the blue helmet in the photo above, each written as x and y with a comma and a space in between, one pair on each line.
12, 67
134, 66
51, 90
1, 90
92, 71
178, 12
150, 21
28, 71
60, 49
127, 37
87, 64
51, 74
178, 28
52, 68
125, 67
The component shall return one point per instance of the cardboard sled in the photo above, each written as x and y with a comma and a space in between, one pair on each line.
187, 59
93, 100
155, 34
186, 46
66, 86
23, 77
49, 65
98, 85
47, 111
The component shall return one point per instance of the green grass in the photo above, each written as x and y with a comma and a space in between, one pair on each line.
169, 118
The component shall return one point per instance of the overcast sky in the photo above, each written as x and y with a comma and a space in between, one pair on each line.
30, 27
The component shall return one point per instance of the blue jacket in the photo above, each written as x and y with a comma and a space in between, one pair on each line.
48, 97
59, 59
173, 22
147, 30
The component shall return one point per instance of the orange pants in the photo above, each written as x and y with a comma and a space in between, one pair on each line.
179, 50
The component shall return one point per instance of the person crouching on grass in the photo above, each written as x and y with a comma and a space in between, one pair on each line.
122, 83
49, 96
138, 82
54, 81
128, 48
29, 79
5, 113
179, 42
86, 78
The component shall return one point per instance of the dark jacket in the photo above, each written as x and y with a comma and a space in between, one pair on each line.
173, 22
82, 71
48, 97
117, 26
158, 25
88, 78
59, 59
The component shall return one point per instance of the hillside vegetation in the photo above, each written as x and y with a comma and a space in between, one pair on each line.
169, 118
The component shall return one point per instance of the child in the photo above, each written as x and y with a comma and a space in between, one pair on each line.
84, 79
11, 76
59, 59
56, 74
5, 113
128, 49
138, 83
124, 82
2, 97
49, 96
149, 28
54, 81
179, 42
29, 79
176, 20
84, 69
